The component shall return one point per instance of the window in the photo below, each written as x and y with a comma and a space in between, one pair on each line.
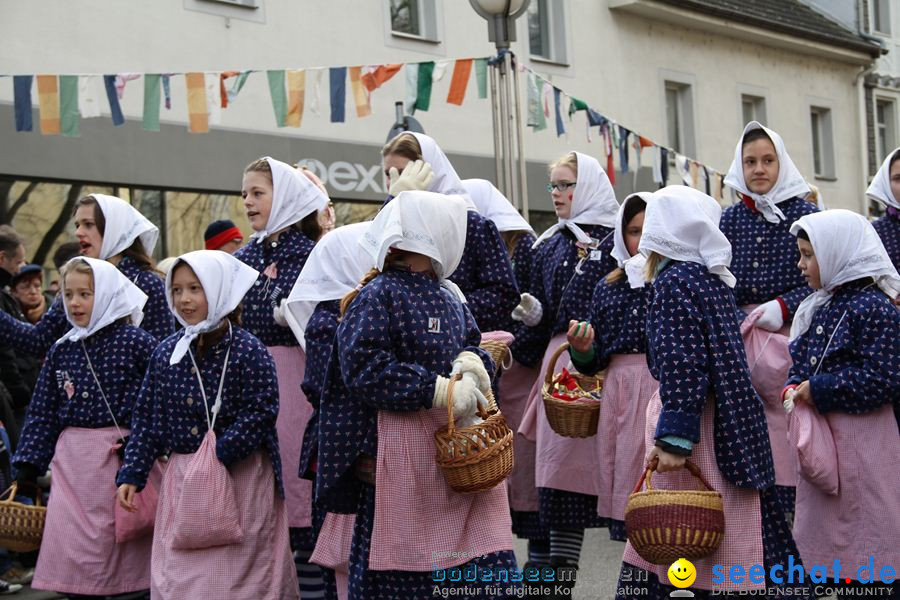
881, 16
244, 3
822, 142
753, 108
546, 30
413, 18
885, 127
680, 117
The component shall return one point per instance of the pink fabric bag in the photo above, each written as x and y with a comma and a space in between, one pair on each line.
811, 434
134, 525
769, 359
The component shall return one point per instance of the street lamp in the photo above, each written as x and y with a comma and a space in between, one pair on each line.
506, 112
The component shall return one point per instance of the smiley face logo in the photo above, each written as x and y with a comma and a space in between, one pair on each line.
682, 573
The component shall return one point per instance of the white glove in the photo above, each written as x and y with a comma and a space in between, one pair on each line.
279, 311
468, 364
466, 396
770, 317
529, 310
416, 176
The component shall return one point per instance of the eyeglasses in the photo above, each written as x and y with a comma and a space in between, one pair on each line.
561, 186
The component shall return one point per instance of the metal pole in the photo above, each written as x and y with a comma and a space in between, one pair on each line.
511, 132
505, 130
520, 143
495, 120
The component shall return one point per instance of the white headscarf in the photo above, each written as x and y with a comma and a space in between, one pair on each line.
633, 265
880, 188
847, 247
123, 225
334, 267
682, 223
790, 182
493, 205
593, 203
424, 223
294, 196
114, 297
225, 281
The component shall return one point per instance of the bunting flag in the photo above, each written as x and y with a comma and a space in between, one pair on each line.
90, 96
440, 68
213, 101
151, 102
459, 82
694, 171
536, 119
122, 79
623, 149
605, 131
22, 100
656, 169
198, 117
663, 167
223, 93
717, 186
237, 86
481, 77
109, 82
423, 87
683, 169
360, 94
68, 105
167, 91
337, 77
412, 88
374, 77
48, 103
706, 183
296, 85
315, 101
279, 95
560, 127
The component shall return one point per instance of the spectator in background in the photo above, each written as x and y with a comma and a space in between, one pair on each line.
223, 235
26, 288
12, 258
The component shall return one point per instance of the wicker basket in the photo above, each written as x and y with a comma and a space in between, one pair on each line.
476, 458
21, 525
572, 418
498, 350
665, 525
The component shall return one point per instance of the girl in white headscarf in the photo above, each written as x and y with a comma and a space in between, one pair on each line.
572, 257
334, 269
847, 367
615, 340
387, 390
414, 161
77, 420
885, 188
285, 209
212, 378
110, 229
769, 288
706, 408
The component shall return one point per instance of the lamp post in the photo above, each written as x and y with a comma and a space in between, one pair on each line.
506, 112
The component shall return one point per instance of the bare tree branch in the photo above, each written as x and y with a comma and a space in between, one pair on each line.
20, 202
47, 244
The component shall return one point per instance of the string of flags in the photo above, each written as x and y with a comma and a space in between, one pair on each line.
617, 140
65, 99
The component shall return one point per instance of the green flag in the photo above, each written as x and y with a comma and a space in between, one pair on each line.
279, 95
151, 102
68, 105
481, 76
423, 91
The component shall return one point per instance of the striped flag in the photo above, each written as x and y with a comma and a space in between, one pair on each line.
198, 117
48, 103
459, 81
296, 84
360, 94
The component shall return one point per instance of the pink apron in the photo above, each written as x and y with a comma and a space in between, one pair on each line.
261, 566
743, 523
515, 389
294, 411
626, 391
769, 360
333, 548
862, 519
561, 463
420, 523
79, 554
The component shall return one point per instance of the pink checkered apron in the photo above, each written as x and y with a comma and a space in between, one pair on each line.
261, 566
515, 390
769, 360
333, 548
561, 463
862, 519
294, 411
626, 392
79, 554
420, 523
743, 543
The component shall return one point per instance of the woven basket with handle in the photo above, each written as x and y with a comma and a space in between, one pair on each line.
665, 525
476, 458
21, 525
572, 418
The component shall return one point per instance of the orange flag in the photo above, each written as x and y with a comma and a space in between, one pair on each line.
223, 94
296, 87
360, 94
459, 81
375, 78
196, 95
48, 102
